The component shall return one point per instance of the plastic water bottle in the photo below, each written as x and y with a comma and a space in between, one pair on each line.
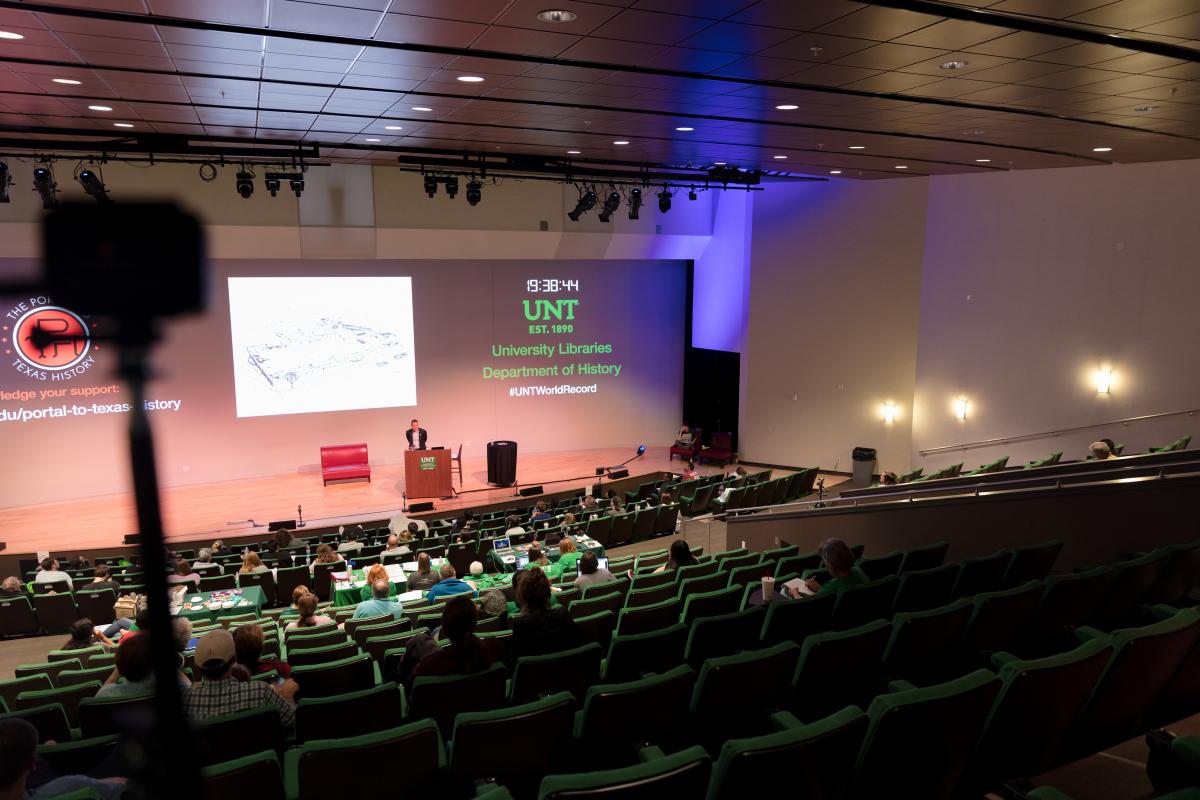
350, 573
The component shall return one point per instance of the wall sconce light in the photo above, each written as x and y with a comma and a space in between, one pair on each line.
1103, 380
889, 411
960, 408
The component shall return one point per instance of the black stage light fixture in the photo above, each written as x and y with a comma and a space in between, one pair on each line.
664, 200
611, 204
245, 184
635, 202
641, 450
451, 186
692, 193
271, 181
474, 192
586, 202
93, 186
43, 183
5, 182
431, 183
297, 184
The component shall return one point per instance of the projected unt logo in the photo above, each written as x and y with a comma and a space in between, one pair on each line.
50, 342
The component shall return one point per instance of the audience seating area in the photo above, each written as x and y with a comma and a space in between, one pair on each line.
935, 678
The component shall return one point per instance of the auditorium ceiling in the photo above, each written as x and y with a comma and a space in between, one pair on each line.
868, 90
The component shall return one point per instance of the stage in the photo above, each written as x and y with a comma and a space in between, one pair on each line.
215, 510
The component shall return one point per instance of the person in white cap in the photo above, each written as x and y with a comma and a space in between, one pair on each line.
1101, 451
220, 693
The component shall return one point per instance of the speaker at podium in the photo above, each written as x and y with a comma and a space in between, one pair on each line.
502, 463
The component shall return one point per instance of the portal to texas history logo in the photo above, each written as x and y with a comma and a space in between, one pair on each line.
50, 342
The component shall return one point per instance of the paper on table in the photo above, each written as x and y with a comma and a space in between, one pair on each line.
405, 597
800, 586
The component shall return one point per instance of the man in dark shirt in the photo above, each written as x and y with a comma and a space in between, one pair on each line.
416, 436
541, 629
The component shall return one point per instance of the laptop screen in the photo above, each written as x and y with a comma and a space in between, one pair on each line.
522, 562
500, 544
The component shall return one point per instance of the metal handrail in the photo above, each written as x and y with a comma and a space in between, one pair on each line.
1026, 436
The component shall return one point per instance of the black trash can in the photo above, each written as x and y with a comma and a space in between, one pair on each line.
502, 463
864, 464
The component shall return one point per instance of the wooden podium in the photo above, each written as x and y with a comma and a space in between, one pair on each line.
427, 473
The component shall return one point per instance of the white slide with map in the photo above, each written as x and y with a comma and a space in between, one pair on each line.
304, 345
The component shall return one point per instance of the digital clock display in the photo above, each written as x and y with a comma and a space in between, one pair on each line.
552, 285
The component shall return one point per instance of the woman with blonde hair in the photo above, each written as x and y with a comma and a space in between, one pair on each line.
307, 606
568, 555
375, 573
252, 564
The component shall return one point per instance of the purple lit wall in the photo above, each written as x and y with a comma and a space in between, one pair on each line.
721, 285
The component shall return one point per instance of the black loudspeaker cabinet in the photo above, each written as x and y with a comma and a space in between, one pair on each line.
529, 491
417, 508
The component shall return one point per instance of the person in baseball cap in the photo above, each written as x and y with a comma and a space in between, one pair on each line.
221, 693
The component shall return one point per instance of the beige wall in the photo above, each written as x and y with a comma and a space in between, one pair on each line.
832, 334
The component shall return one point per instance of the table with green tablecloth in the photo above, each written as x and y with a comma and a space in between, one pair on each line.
551, 553
349, 594
247, 600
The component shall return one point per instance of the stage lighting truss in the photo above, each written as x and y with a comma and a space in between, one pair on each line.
93, 185
44, 185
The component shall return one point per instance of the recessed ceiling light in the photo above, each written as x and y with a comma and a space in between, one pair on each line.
835, 172
786, 107
373, 140
10, 35
392, 128
858, 147
1145, 108
421, 108
574, 152
718, 163
99, 108
779, 157
67, 81
470, 79
685, 129
982, 160
620, 141
953, 64
1101, 149
557, 15
122, 124
901, 166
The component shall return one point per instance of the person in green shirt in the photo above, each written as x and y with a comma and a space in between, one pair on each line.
839, 563
568, 556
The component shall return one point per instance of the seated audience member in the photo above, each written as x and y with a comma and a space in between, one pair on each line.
135, 663
512, 525
79, 562
306, 608
449, 584
375, 573
297, 593
723, 498
248, 643
204, 559
570, 525
1112, 447
685, 437
252, 564
541, 512
494, 604
325, 555
541, 629
424, 577
184, 574
219, 549
589, 504
838, 560
394, 547
467, 653
349, 540
285, 540
590, 572
18, 757
613, 505
1101, 451
476, 569
568, 555
690, 473
887, 479
401, 522
11, 586
680, 555
379, 603
537, 558
84, 634
103, 579
220, 693
49, 572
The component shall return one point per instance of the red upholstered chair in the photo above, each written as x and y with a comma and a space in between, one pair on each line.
344, 461
687, 453
721, 450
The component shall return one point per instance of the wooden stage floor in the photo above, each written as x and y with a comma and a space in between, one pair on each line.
207, 510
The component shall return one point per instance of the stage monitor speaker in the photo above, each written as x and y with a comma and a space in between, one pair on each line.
417, 508
599, 470
529, 491
133, 538
621, 472
281, 525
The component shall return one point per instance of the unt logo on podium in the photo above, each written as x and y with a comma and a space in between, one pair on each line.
427, 463
549, 309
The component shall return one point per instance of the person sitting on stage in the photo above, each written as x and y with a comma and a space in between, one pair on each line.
568, 556
49, 572
690, 473
512, 525
380, 602
252, 564
204, 559
349, 537
424, 577
466, 654
685, 436
416, 436
541, 512
838, 559
590, 572
449, 584
307, 606
394, 547
537, 558
541, 629
248, 642
11, 587
325, 555
375, 573
184, 574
